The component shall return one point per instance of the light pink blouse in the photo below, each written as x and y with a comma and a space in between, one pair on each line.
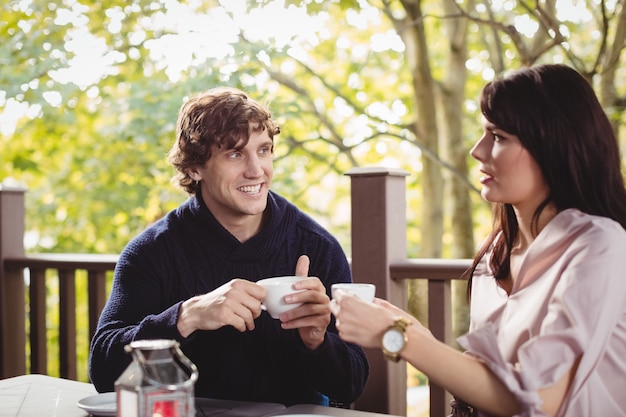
569, 301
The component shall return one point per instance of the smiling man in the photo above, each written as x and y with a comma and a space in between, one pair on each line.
192, 275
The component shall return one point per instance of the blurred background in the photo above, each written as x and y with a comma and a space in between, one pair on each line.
89, 95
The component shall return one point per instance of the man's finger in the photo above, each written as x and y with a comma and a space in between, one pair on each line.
302, 266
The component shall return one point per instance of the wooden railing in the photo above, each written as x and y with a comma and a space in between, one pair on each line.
378, 256
65, 268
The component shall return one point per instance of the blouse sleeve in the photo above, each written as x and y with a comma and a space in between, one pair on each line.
482, 343
583, 312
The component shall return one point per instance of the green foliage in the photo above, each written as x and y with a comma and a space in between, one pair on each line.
90, 145
91, 149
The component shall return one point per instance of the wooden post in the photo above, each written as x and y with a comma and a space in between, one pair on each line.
12, 288
378, 238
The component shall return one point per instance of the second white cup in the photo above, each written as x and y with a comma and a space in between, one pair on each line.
364, 291
277, 288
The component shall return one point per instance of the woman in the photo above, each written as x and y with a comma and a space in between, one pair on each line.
548, 286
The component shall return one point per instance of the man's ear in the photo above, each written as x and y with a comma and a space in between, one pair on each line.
194, 175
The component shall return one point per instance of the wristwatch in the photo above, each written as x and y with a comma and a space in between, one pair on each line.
395, 338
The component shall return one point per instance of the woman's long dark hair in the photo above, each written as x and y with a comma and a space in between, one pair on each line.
557, 117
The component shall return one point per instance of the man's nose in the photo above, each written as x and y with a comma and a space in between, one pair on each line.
254, 168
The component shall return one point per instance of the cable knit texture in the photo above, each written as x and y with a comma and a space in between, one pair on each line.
188, 253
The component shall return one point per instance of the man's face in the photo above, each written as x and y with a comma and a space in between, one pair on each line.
235, 182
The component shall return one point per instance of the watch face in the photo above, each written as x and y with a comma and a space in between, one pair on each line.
393, 340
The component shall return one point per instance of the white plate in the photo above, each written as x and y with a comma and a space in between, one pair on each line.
100, 404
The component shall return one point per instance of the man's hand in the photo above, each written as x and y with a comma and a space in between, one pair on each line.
313, 316
236, 303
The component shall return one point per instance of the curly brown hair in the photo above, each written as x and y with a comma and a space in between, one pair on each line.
221, 117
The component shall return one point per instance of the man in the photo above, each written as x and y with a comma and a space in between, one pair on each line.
192, 275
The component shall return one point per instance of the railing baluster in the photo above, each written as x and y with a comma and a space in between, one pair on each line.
67, 320
37, 316
440, 324
13, 316
97, 297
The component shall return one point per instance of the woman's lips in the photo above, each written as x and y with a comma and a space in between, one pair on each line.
485, 178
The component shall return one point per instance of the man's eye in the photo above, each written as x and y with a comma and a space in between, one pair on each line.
265, 150
234, 155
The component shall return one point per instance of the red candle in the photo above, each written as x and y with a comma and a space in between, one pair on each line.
165, 409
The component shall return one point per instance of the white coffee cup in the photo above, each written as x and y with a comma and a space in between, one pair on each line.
362, 290
277, 288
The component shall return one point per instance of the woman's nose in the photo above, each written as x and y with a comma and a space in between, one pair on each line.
477, 151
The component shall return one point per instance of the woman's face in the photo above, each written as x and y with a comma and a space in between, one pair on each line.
510, 174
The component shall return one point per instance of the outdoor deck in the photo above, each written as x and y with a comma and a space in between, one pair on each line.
378, 256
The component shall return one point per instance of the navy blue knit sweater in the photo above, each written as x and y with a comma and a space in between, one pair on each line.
188, 253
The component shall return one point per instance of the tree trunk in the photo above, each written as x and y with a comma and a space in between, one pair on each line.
455, 151
426, 134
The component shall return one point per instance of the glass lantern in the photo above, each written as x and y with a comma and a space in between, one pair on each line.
159, 382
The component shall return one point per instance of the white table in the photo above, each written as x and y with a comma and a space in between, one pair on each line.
45, 396
42, 396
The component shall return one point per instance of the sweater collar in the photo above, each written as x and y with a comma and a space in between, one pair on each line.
280, 224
